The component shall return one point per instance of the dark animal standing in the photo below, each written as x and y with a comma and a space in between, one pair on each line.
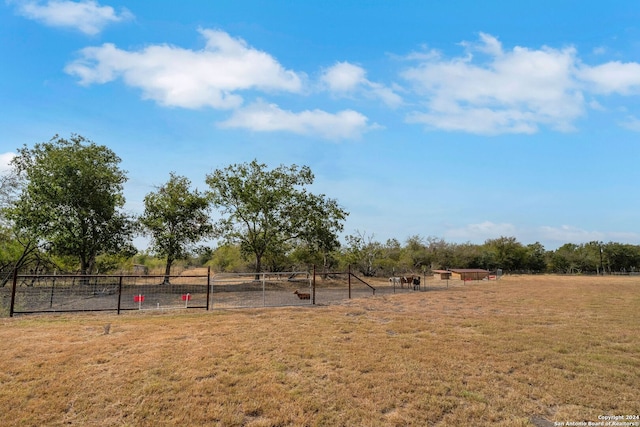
411, 280
302, 295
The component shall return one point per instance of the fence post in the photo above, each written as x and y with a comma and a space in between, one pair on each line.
119, 292
313, 289
394, 280
349, 281
53, 286
208, 285
13, 291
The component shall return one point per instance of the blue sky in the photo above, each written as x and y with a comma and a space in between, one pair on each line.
460, 120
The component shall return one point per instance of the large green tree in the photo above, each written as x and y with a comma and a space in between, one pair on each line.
618, 257
10, 186
17, 250
508, 253
72, 200
264, 210
363, 252
415, 254
176, 218
536, 258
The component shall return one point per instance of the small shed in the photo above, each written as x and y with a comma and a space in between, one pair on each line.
140, 269
470, 273
442, 274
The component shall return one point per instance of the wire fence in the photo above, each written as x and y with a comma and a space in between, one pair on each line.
70, 293
197, 289
237, 290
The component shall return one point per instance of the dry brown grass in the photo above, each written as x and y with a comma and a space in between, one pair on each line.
509, 353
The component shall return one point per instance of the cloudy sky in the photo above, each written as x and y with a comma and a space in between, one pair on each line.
460, 120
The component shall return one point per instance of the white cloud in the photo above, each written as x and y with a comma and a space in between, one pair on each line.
514, 91
263, 117
174, 76
483, 121
5, 159
551, 236
490, 90
490, 45
612, 77
426, 54
480, 232
344, 79
632, 123
385, 94
595, 105
487, 90
570, 234
86, 16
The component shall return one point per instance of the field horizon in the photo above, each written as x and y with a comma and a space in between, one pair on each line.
521, 351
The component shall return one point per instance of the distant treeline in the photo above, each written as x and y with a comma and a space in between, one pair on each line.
368, 257
421, 255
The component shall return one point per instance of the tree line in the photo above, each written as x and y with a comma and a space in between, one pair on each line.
63, 206
420, 254
62, 209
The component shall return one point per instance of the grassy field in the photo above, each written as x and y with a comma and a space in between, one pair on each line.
523, 351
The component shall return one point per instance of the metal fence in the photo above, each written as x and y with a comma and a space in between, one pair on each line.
70, 293
76, 293
231, 290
